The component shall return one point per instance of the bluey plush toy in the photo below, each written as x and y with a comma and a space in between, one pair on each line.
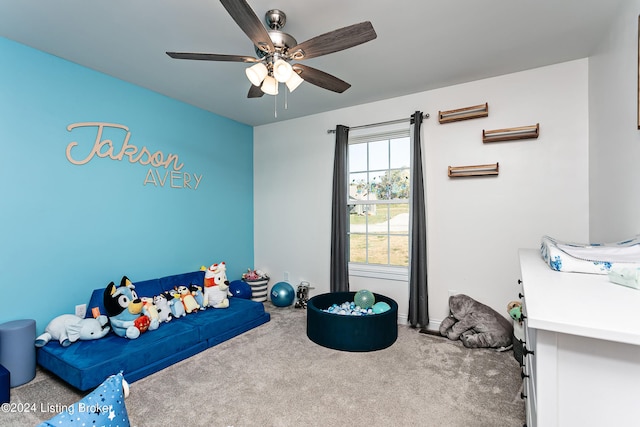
125, 310
216, 286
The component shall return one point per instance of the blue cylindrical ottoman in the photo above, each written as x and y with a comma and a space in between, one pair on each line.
18, 351
351, 333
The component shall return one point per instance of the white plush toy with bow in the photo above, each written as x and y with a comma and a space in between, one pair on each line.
216, 286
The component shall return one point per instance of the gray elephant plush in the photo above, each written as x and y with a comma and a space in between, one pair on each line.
476, 324
68, 329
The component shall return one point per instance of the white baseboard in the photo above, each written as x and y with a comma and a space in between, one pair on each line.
434, 325
403, 319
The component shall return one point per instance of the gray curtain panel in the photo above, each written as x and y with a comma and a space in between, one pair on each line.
418, 298
339, 280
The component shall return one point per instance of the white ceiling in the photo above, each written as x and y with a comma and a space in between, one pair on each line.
421, 44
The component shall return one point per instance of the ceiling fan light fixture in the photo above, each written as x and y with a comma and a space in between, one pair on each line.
294, 81
257, 73
282, 70
270, 86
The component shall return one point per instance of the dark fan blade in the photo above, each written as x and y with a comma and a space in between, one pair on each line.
321, 79
211, 57
247, 20
334, 41
255, 92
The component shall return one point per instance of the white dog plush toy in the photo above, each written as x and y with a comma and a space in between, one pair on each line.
216, 286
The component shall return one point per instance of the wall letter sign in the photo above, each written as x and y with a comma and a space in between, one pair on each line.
172, 175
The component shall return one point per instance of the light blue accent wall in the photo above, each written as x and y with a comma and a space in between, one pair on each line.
67, 229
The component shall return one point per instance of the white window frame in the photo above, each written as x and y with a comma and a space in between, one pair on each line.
379, 271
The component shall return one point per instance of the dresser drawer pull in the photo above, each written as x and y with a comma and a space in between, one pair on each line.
526, 351
520, 295
523, 375
522, 395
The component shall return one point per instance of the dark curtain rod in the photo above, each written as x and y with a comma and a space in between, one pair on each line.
391, 122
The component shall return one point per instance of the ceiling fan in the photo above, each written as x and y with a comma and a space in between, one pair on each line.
276, 50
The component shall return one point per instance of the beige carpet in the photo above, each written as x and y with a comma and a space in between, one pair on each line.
275, 376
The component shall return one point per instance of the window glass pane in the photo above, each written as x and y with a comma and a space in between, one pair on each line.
377, 185
359, 216
378, 249
399, 246
392, 184
358, 186
379, 155
357, 157
399, 222
358, 248
378, 219
399, 153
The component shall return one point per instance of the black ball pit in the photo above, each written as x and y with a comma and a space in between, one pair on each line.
351, 333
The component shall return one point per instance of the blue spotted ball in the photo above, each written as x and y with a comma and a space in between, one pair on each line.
240, 289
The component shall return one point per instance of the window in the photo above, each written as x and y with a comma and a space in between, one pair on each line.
379, 174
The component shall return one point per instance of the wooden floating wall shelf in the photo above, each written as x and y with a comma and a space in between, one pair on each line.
466, 113
509, 134
474, 170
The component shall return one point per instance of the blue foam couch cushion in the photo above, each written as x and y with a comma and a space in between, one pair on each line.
85, 364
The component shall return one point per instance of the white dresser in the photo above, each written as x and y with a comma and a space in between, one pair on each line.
583, 333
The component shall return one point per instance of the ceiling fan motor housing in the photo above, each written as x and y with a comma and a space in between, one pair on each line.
282, 41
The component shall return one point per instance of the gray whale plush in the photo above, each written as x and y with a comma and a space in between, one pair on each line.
476, 324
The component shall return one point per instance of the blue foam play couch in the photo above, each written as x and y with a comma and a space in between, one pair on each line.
86, 364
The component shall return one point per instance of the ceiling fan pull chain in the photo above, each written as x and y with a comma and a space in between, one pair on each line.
275, 105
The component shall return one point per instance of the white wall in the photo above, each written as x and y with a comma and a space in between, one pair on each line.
476, 225
614, 147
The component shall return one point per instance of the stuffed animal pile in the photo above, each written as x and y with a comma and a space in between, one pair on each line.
476, 324
129, 315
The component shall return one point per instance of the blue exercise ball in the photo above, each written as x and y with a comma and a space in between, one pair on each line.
282, 294
240, 289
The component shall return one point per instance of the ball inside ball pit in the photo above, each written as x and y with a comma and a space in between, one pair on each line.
364, 298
